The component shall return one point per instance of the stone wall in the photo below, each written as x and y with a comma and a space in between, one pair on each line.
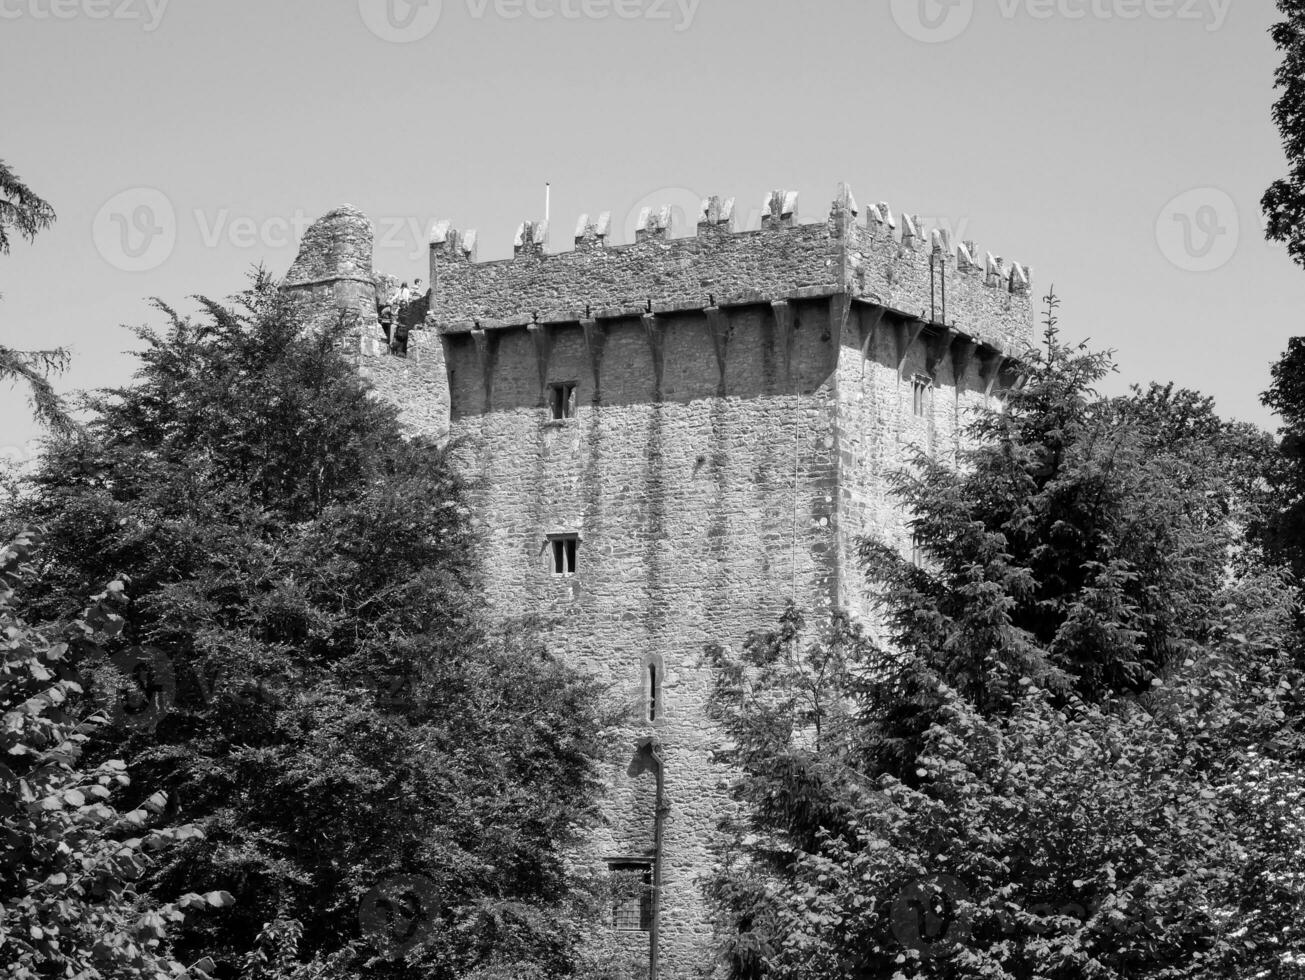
699, 517
893, 263
333, 270
878, 432
741, 401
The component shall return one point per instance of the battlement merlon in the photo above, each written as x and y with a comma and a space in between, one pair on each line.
874, 258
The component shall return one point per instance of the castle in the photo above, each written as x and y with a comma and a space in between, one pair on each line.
670, 439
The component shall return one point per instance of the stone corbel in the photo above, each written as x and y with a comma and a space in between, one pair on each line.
485, 355
907, 334
936, 348
595, 342
840, 311
870, 324
962, 356
784, 333
655, 331
991, 366
719, 326
542, 335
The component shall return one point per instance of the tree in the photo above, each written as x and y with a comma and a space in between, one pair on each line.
1282, 530
1153, 837
34, 369
21, 210
344, 715
1078, 752
1284, 201
70, 861
1080, 543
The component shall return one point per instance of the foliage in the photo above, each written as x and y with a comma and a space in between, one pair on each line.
1077, 752
1153, 837
342, 714
34, 368
21, 209
70, 860
1282, 530
1080, 542
1284, 201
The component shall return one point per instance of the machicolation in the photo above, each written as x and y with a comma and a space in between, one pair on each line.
671, 439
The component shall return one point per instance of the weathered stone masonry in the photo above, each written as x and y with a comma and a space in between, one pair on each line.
740, 401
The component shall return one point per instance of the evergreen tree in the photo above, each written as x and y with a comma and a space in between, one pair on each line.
1076, 755
1282, 530
24, 212
343, 715
1081, 543
1284, 201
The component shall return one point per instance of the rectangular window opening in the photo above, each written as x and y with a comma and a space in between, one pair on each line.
652, 692
564, 549
561, 400
632, 896
920, 395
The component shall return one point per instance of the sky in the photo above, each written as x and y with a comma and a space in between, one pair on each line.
1118, 147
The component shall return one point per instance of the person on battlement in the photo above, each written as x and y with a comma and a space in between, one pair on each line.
399, 345
386, 317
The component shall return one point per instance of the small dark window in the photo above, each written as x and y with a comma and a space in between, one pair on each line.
564, 547
632, 886
561, 400
920, 395
653, 692
917, 550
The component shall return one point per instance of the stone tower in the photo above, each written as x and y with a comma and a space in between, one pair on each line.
673, 438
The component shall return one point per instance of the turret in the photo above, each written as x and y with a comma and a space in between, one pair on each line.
333, 271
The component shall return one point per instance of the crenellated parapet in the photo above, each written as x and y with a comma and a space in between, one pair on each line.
890, 260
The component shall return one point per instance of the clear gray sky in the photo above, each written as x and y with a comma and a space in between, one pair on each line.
1120, 147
